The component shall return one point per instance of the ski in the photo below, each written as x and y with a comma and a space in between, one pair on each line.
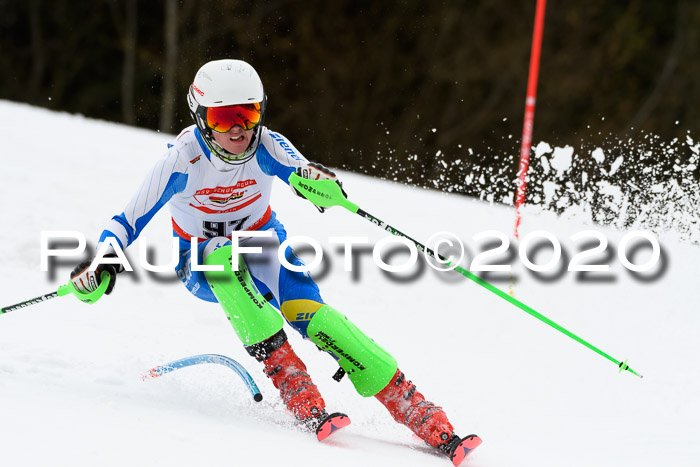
332, 423
465, 446
207, 358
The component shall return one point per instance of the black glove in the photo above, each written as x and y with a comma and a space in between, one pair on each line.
316, 171
87, 281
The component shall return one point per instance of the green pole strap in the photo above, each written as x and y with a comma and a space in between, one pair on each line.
327, 193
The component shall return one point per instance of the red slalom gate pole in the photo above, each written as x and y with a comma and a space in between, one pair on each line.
529, 119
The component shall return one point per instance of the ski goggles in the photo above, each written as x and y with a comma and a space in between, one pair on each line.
222, 119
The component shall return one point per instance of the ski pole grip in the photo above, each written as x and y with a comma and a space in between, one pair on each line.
323, 193
89, 297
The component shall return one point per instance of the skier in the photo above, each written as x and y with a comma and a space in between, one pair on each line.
217, 176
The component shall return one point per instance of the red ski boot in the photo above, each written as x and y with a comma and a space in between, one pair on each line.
298, 391
428, 421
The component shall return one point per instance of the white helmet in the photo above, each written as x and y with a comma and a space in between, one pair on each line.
223, 83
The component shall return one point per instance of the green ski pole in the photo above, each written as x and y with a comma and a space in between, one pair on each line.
65, 289
327, 193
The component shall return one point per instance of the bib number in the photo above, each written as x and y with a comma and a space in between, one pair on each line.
222, 229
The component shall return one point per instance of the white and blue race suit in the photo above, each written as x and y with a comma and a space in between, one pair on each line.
209, 198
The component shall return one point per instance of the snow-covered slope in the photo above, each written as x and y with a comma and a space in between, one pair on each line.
71, 392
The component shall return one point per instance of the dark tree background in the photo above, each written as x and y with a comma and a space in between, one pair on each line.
378, 87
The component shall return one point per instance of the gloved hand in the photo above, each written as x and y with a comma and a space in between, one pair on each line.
87, 281
316, 171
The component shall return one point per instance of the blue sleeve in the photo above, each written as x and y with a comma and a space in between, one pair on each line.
277, 156
272, 166
166, 179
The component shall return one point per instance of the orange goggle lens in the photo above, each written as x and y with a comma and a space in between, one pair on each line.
222, 119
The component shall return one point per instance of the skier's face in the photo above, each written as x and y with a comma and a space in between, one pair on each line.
235, 141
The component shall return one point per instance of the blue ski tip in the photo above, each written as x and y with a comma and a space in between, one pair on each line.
208, 358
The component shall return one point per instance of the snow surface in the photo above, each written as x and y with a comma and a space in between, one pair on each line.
71, 392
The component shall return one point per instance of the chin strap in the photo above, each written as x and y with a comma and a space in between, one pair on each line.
234, 159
